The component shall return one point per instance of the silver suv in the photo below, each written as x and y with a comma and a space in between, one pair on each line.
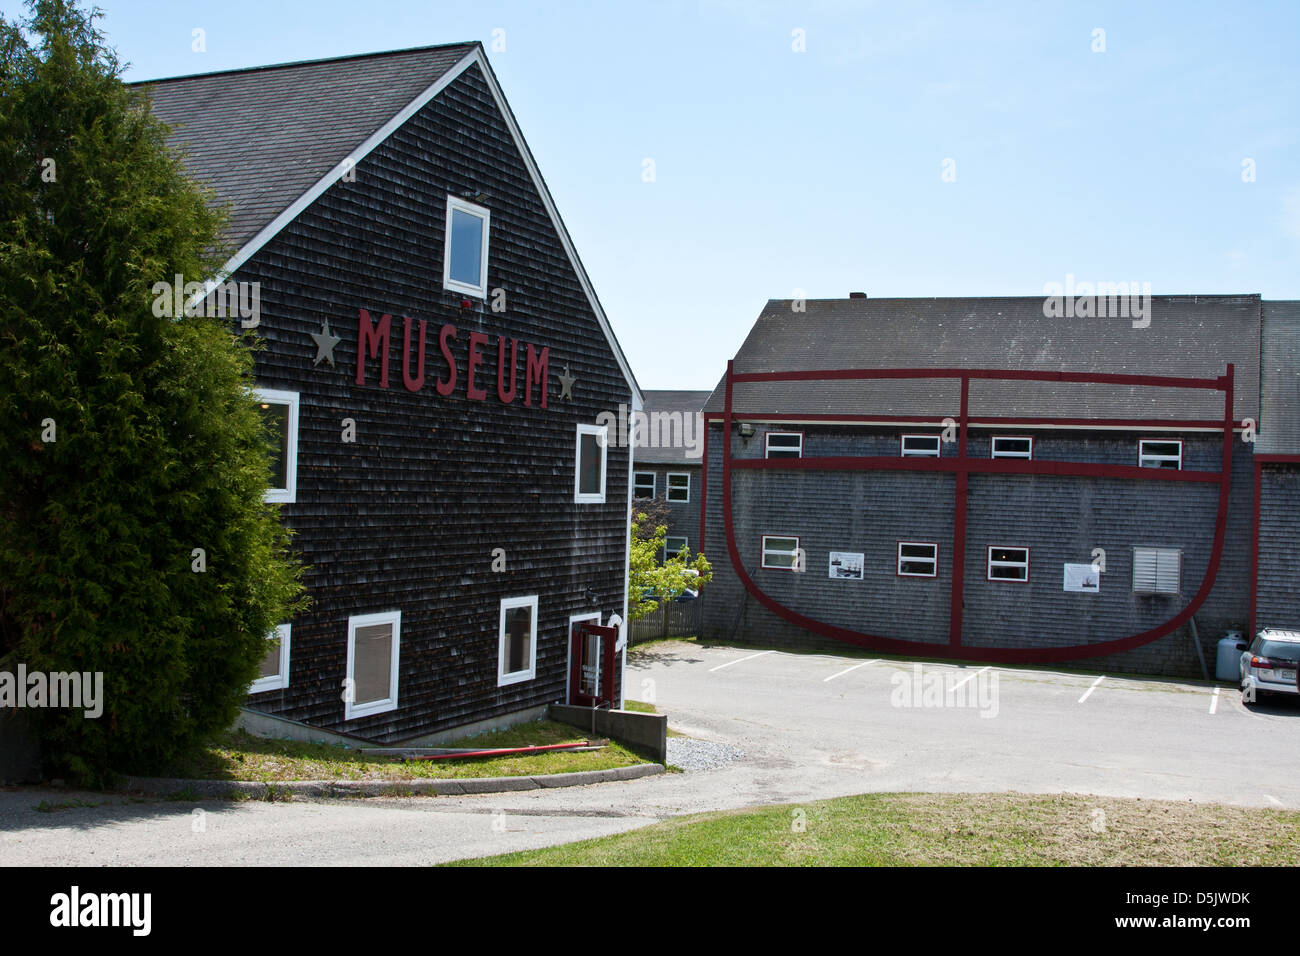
1269, 665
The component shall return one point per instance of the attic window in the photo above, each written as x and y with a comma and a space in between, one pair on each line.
1008, 446
920, 446
1160, 454
783, 444
464, 263
279, 411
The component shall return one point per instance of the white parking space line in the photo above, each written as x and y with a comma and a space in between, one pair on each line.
848, 669
1274, 800
1214, 701
971, 677
739, 660
1089, 691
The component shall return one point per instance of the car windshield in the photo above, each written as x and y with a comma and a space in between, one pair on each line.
1281, 650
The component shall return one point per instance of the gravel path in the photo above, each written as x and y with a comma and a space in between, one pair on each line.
690, 754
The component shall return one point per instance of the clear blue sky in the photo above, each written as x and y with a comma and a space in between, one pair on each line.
822, 170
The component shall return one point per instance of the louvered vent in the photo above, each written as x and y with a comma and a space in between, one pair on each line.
1157, 570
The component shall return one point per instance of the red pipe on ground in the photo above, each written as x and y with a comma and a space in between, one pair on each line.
505, 750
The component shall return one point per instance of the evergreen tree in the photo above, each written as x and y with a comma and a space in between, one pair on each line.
134, 539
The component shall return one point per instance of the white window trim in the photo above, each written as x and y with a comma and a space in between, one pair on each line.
654, 483
1143, 457
601, 431
763, 548
281, 680
991, 564
674, 537
453, 285
905, 453
767, 443
934, 559
1026, 455
351, 711
272, 396
668, 487
1157, 553
518, 676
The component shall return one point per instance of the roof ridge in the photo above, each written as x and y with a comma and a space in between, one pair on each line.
465, 44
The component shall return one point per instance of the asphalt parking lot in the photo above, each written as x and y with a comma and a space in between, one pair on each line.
791, 728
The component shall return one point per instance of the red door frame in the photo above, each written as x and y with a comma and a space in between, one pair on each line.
577, 643
961, 467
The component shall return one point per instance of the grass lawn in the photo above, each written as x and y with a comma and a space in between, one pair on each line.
242, 756
920, 829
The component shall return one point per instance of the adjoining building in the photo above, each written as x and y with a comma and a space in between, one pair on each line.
986, 479
435, 363
669, 462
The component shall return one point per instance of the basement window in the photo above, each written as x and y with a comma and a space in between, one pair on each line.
1157, 570
781, 552
673, 547
1008, 564
589, 467
643, 485
274, 674
1154, 453
918, 559
679, 487
464, 263
920, 446
783, 445
517, 640
280, 415
374, 643
1007, 446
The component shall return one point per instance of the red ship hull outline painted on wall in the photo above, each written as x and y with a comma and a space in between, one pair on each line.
962, 466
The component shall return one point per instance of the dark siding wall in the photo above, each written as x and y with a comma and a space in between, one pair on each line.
407, 517
1278, 599
1060, 519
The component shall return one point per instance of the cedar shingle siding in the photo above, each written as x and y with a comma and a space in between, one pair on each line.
407, 517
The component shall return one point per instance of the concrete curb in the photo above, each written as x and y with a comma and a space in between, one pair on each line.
162, 786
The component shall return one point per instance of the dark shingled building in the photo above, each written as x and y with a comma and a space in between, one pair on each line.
435, 361
978, 479
668, 463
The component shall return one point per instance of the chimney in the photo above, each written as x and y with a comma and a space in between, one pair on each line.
857, 295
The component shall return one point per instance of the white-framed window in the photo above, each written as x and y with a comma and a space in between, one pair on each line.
275, 666
374, 647
589, 464
1008, 564
782, 552
1012, 446
783, 445
280, 413
643, 484
918, 559
517, 640
1160, 453
465, 253
1157, 570
919, 446
679, 486
673, 545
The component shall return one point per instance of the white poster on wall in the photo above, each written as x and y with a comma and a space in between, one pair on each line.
1083, 577
847, 564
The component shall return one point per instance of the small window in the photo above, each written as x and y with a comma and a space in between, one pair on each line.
1008, 564
918, 559
275, 666
1006, 446
920, 446
517, 640
673, 547
1160, 454
464, 264
589, 473
1157, 570
781, 552
679, 487
280, 413
783, 444
643, 486
374, 641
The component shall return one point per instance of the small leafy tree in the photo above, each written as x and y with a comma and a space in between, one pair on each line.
134, 539
649, 582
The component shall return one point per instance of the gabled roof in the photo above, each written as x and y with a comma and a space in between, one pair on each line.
687, 404
1188, 337
270, 140
1279, 413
